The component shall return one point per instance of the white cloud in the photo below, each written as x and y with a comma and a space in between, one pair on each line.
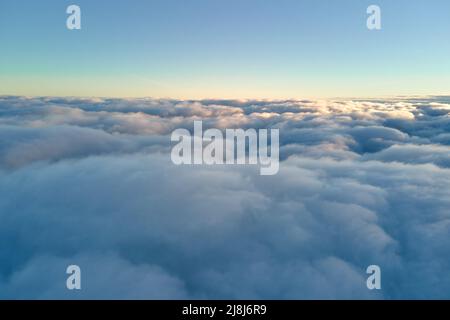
85, 182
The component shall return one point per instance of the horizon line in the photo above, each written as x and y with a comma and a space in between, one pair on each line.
391, 97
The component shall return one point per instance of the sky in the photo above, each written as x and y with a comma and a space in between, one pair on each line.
274, 49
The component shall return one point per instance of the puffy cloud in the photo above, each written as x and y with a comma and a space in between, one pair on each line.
90, 182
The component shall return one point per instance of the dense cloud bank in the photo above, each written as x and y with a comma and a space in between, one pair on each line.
90, 182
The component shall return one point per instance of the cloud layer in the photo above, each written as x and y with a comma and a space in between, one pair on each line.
90, 182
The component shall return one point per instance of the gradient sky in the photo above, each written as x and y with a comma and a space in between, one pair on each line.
225, 49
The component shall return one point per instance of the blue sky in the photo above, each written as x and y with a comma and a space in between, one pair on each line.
225, 49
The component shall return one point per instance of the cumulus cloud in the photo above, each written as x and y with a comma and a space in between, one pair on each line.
90, 182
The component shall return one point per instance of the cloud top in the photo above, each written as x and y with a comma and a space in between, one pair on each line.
90, 182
